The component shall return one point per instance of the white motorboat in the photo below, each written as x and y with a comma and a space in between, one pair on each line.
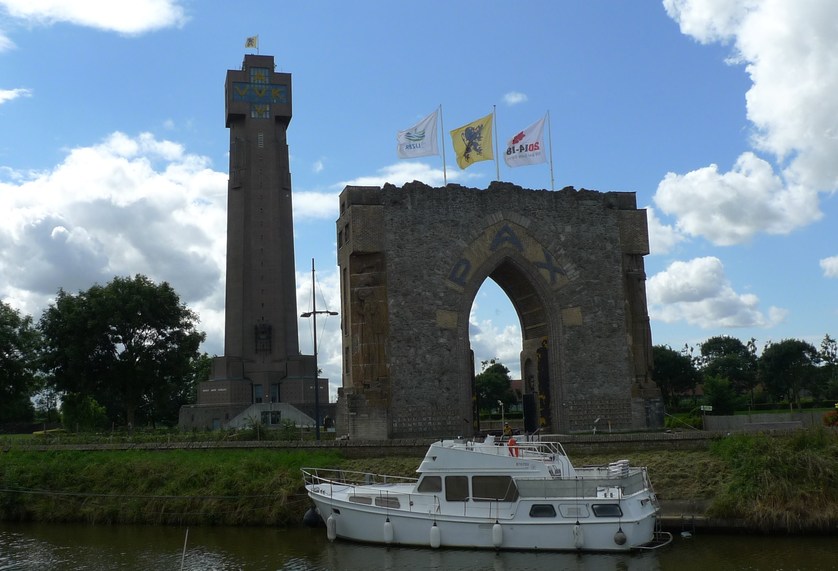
517, 494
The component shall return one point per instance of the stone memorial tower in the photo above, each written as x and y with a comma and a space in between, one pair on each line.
262, 361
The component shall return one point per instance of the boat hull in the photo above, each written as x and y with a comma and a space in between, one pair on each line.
370, 524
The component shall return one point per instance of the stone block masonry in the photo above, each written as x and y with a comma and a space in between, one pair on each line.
412, 259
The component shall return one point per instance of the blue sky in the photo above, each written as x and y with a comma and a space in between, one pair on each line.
721, 116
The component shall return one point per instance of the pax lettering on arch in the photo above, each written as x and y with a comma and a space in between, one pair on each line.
549, 264
505, 235
459, 273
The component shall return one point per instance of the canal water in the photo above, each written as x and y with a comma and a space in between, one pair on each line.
131, 548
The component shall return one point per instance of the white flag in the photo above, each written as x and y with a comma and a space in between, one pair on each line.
420, 140
527, 147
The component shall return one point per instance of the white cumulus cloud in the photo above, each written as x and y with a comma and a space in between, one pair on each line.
830, 266
730, 208
10, 94
662, 237
514, 98
134, 17
789, 49
124, 206
699, 292
491, 341
6, 44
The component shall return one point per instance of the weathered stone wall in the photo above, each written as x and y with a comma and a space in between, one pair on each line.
412, 260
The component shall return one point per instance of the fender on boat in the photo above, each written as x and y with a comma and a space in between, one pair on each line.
436, 538
331, 528
497, 535
578, 536
620, 537
388, 531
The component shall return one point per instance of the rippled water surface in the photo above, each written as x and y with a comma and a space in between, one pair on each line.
94, 548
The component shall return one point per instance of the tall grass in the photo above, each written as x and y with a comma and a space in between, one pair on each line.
787, 483
229, 487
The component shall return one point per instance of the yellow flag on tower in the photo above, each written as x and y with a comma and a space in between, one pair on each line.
252, 42
473, 142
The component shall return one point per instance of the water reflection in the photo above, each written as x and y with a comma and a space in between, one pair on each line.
130, 548
352, 557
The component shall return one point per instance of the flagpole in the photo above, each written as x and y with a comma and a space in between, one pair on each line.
442, 134
550, 138
495, 127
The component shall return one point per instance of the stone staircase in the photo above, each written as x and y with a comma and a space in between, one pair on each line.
270, 415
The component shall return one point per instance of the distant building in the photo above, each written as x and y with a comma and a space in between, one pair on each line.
262, 366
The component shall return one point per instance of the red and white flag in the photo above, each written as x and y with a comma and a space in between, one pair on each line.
527, 147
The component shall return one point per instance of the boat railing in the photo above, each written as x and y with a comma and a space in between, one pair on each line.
335, 476
583, 485
532, 447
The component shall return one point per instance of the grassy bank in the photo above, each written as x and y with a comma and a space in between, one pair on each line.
773, 483
780, 483
218, 487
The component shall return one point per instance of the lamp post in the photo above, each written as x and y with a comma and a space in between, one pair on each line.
313, 314
502, 415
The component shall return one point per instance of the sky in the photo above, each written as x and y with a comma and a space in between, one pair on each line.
720, 115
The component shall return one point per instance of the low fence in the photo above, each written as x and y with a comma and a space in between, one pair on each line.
573, 444
759, 422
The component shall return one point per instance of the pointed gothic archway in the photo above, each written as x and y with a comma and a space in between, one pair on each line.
411, 262
513, 276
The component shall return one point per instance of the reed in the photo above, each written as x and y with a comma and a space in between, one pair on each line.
785, 483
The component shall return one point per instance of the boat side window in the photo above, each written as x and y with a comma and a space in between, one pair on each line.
491, 488
607, 510
573, 510
542, 510
360, 499
387, 502
456, 488
430, 484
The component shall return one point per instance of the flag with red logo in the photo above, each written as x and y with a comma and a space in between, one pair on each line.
527, 147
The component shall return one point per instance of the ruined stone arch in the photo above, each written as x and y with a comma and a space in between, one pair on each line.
569, 261
527, 291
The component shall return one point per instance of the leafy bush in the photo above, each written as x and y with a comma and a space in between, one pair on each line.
683, 420
719, 393
82, 413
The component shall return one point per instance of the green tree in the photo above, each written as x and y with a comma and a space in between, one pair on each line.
828, 356
674, 373
129, 345
47, 401
719, 393
20, 342
82, 413
493, 385
163, 402
728, 358
788, 367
